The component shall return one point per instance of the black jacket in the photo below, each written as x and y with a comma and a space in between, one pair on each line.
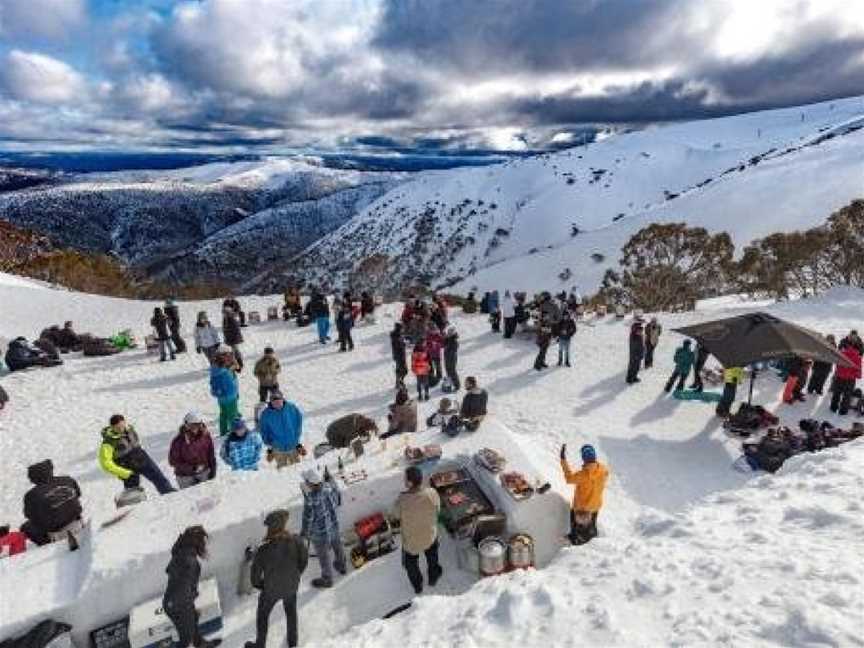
278, 565
231, 329
451, 348
474, 404
637, 345
397, 346
566, 328
52, 505
160, 324
317, 307
183, 571
20, 355
173, 315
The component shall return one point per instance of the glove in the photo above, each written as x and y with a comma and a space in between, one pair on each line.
564, 451
301, 451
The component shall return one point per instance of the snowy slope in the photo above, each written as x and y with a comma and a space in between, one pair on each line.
691, 551
749, 174
163, 221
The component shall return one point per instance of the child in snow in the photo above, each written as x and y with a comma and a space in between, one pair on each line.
225, 387
590, 483
242, 448
420, 366
206, 337
344, 324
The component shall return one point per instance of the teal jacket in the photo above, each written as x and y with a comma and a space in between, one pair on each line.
684, 359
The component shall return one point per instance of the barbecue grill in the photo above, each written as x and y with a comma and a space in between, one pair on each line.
462, 500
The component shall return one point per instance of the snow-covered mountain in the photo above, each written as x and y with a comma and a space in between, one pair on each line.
560, 219
197, 223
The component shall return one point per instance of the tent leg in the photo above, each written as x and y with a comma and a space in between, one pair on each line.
752, 380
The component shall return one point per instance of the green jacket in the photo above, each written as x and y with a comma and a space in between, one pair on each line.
684, 359
114, 447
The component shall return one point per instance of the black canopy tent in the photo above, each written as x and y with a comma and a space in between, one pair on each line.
759, 337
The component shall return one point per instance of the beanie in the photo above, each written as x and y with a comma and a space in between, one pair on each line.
589, 454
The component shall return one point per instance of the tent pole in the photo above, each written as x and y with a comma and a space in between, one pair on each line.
752, 379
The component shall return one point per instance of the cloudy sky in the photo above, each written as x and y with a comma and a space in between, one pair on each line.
198, 74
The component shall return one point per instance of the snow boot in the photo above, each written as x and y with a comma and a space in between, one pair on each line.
322, 583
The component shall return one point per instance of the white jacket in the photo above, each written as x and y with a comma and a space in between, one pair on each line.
508, 307
206, 336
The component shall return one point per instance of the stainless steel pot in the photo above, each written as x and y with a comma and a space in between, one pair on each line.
493, 556
521, 551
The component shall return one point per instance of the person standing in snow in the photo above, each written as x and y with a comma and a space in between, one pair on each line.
397, 348
451, 356
318, 312
242, 448
566, 331
590, 483
267, 372
184, 572
173, 315
276, 569
494, 312
206, 337
652, 338
4, 398
281, 429
637, 352
508, 313
732, 377
544, 339
235, 307
160, 326
192, 455
702, 354
474, 405
421, 367
684, 359
121, 455
225, 388
233, 335
320, 525
417, 508
845, 377
52, 507
434, 342
344, 324
820, 372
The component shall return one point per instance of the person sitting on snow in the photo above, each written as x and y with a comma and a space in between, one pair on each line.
242, 448
52, 507
403, 415
281, 428
341, 432
121, 455
23, 355
474, 404
590, 484
447, 410
192, 454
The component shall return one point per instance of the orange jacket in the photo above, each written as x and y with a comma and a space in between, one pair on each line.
420, 363
590, 483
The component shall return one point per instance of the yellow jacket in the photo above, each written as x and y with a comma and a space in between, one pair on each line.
733, 375
590, 483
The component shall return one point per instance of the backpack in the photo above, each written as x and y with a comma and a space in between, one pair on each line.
447, 385
453, 426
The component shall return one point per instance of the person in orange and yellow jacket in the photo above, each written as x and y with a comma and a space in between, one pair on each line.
590, 484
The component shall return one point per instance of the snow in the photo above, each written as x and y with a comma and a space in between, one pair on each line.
691, 552
749, 175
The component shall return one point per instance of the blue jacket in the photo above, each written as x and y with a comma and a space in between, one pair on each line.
320, 520
223, 384
242, 454
281, 429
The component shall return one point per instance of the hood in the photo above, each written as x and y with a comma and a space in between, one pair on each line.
40, 472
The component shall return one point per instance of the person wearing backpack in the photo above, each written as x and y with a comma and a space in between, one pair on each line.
52, 507
420, 367
276, 570
684, 359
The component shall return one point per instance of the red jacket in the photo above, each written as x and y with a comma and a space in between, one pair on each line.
850, 373
420, 363
186, 456
14, 542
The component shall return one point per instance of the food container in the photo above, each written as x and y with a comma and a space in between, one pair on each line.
521, 551
493, 556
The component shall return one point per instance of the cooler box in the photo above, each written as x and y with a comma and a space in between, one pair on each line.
150, 627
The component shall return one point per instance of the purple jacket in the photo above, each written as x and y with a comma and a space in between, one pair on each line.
186, 455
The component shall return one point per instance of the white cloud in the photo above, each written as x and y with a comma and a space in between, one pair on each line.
30, 76
50, 19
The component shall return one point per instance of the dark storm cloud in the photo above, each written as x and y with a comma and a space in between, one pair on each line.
528, 35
